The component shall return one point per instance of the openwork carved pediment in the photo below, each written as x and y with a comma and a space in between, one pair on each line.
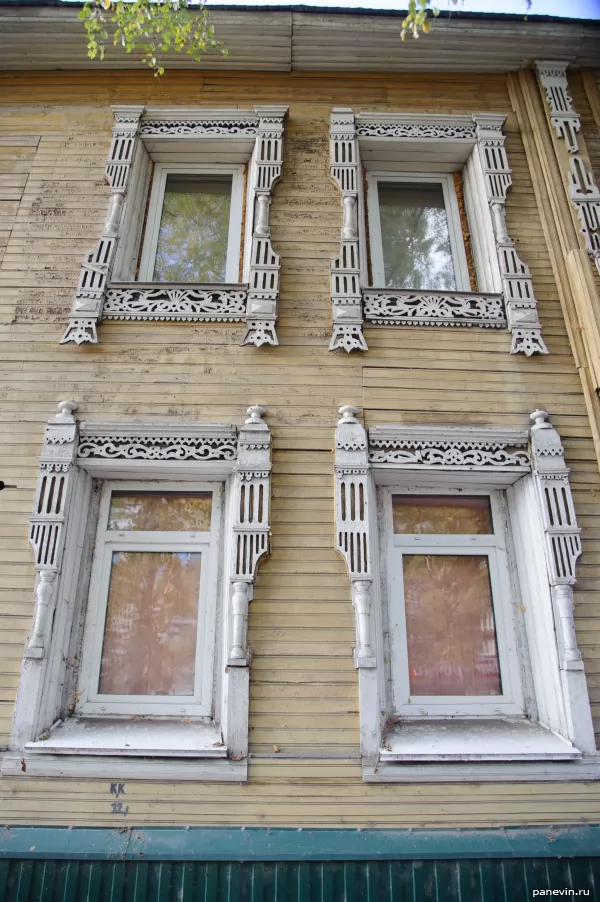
173, 128
448, 447
127, 446
416, 130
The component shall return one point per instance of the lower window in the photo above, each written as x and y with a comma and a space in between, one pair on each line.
452, 628
149, 635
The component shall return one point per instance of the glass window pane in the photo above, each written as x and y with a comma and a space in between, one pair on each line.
442, 515
166, 511
450, 627
194, 228
151, 624
415, 237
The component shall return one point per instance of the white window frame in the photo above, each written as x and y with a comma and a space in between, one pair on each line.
494, 546
201, 704
457, 245
155, 207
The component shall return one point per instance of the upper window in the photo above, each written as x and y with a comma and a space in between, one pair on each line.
416, 235
193, 231
149, 633
452, 635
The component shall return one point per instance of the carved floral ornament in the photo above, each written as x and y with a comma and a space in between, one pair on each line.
512, 302
254, 301
583, 190
504, 455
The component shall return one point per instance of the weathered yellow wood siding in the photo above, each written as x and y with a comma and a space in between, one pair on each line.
303, 683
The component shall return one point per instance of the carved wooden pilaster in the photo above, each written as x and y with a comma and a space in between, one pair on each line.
517, 284
251, 501
48, 520
582, 188
563, 548
563, 544
95, 271
352, 507
263, 291
346, 293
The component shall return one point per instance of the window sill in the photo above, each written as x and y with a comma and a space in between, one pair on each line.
465, 740
99, 748
183, 301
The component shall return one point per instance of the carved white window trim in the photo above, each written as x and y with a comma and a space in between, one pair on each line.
501, 273
459, 257
62, 532
583, 190
155, 209
530, 468
108, 273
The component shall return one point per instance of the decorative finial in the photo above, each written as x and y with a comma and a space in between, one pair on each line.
256, 413
66, 409
539, 418
348, 413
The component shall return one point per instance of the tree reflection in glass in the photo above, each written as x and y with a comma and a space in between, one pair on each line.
167, 511
415, 237
194, 229
151, 624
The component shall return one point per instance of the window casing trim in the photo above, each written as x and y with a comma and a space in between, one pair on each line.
62, 534
556, 695
161, 173
140, 136
476, 146
459, 258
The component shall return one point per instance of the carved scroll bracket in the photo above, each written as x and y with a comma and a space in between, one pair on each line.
261, 314
251, 526
97, 265
517, 284
352, 506
562, 534
346, 293
582, 188
50, 511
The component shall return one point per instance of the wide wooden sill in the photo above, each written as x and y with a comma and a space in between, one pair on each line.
477, 739
162, 749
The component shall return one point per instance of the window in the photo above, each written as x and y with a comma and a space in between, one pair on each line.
452, 636
149, 635
415, 230
142, 591
193, 231
461, 551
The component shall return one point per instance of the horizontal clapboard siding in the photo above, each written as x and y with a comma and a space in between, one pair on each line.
304, 699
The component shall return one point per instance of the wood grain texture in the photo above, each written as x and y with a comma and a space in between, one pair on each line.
304, 696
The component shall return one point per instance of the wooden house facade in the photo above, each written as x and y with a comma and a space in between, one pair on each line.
300, 558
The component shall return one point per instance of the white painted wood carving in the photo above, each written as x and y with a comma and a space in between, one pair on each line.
517, 284
251, 526
438, 308
50, 511
352, 506
261, 132
346, 293
583, 190
97, 266
455, 447
460, 139
263, 279
202, 303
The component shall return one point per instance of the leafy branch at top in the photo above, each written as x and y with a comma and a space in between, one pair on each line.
418, 19
153, 27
